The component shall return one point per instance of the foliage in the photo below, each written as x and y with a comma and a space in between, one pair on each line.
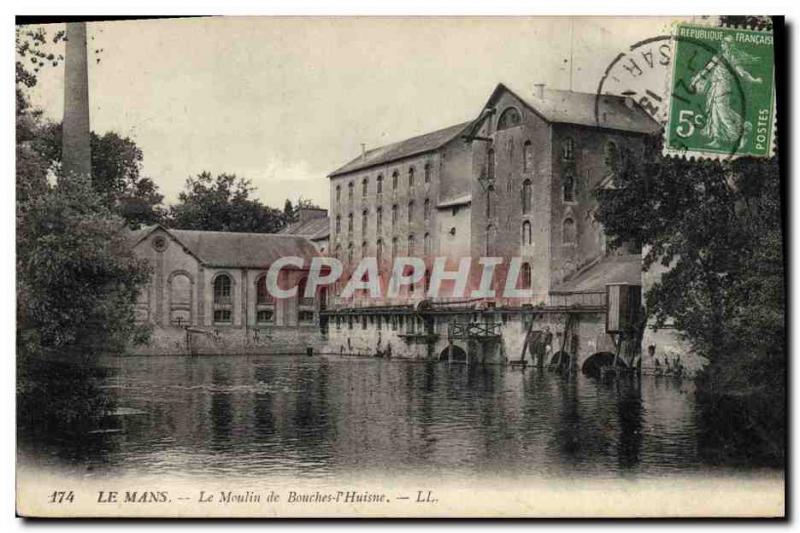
717, 225
223, 204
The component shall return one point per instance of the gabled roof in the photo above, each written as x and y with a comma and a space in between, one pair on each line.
569, 107
399, 150
314, 229
232, 249
610, 269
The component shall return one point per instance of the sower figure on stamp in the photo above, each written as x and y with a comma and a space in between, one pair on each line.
724, 125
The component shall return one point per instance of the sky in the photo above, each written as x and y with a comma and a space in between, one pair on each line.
285, 101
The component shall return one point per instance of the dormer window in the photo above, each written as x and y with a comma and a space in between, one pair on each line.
568, 149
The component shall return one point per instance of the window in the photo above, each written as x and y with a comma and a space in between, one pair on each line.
338, 223
527, 157
525, 274
364, 219
338, 193
611, 156
394, 216
264, 316
411, 178
222, 316
394, 246
301, 293
263, 297
411, 245
410, 211
527, 197
489, 192
379, 219
338, 251
490, 164
510, 150
510, 118
364, 249
350, 223
568, 231
305, 316
379, 186
379, 250
426, 244
350, 253
569, 188
395, 175
222, 289
364, 187
426, 209
350, 191
526, 233
427, 172
568, 149
490, 238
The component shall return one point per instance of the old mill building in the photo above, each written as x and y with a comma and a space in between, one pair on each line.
519, 180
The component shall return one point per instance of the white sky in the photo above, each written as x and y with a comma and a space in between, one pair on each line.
284, 101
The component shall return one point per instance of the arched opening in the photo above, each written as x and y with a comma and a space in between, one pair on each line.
593, 364
458, 354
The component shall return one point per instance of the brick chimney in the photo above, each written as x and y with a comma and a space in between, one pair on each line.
76, 157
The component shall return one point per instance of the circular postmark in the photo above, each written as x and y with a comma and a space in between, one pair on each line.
689, 86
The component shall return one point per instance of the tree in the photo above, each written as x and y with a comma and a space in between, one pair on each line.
223, 204
718, 226
116, 174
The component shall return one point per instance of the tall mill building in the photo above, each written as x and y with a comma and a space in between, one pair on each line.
517, 181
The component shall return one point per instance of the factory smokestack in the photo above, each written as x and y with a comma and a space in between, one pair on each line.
76, 157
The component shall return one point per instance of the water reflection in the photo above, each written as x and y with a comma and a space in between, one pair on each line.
316, 417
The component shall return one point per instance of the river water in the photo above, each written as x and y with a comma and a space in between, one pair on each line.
319, 417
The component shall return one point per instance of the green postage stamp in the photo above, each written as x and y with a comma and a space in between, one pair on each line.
722, 101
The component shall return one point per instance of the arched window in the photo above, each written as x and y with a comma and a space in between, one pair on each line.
411, 178
527, 157
263, 297
350, 253
364, 187
350, 191
510, 118
510, 150
569, 188
338, 193
350, 222
411, 245
379, 218
363, 249
490, 164
426, 209
527, 197
380, 184
525, 274
426, 244
394, 215
611, 156
410, 211
489, 192
568, 231
526, 233
491, 237
222, 289
427, 172
364, 219
568, 149
394, 247
337, 253
395, 175
338, 223
379, 250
